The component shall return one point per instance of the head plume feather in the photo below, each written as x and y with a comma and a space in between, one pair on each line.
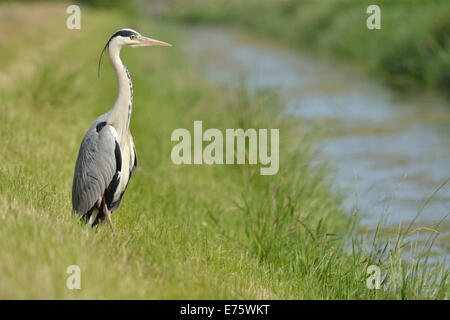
100, 59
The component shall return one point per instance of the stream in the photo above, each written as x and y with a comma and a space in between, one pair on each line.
389, 152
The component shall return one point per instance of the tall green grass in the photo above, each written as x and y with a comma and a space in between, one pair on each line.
412, 49
182, 231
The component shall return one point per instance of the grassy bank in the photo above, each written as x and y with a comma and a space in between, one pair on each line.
182, 231
412, 49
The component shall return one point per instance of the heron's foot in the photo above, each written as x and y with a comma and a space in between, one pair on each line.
108, 217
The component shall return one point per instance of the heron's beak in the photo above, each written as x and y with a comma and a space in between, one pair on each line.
146, 42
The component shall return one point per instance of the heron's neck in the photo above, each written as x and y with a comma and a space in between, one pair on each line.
120, 114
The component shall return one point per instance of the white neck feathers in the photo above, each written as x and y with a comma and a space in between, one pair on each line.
119, 115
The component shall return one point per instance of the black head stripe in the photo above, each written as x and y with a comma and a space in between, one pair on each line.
123, 33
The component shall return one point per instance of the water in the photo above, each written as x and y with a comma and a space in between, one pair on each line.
380, 144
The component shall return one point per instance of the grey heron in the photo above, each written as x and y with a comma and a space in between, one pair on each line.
107, 156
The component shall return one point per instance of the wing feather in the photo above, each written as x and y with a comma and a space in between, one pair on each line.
95, 167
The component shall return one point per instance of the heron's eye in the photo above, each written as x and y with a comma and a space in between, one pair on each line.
132, 37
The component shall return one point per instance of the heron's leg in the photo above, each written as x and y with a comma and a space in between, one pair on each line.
108, 216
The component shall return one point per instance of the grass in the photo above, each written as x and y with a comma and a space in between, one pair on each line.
197, 232
410, 51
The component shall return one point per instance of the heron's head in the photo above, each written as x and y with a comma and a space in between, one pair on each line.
131, 38
128, 38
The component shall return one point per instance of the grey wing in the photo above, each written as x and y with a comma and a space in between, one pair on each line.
95, 168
